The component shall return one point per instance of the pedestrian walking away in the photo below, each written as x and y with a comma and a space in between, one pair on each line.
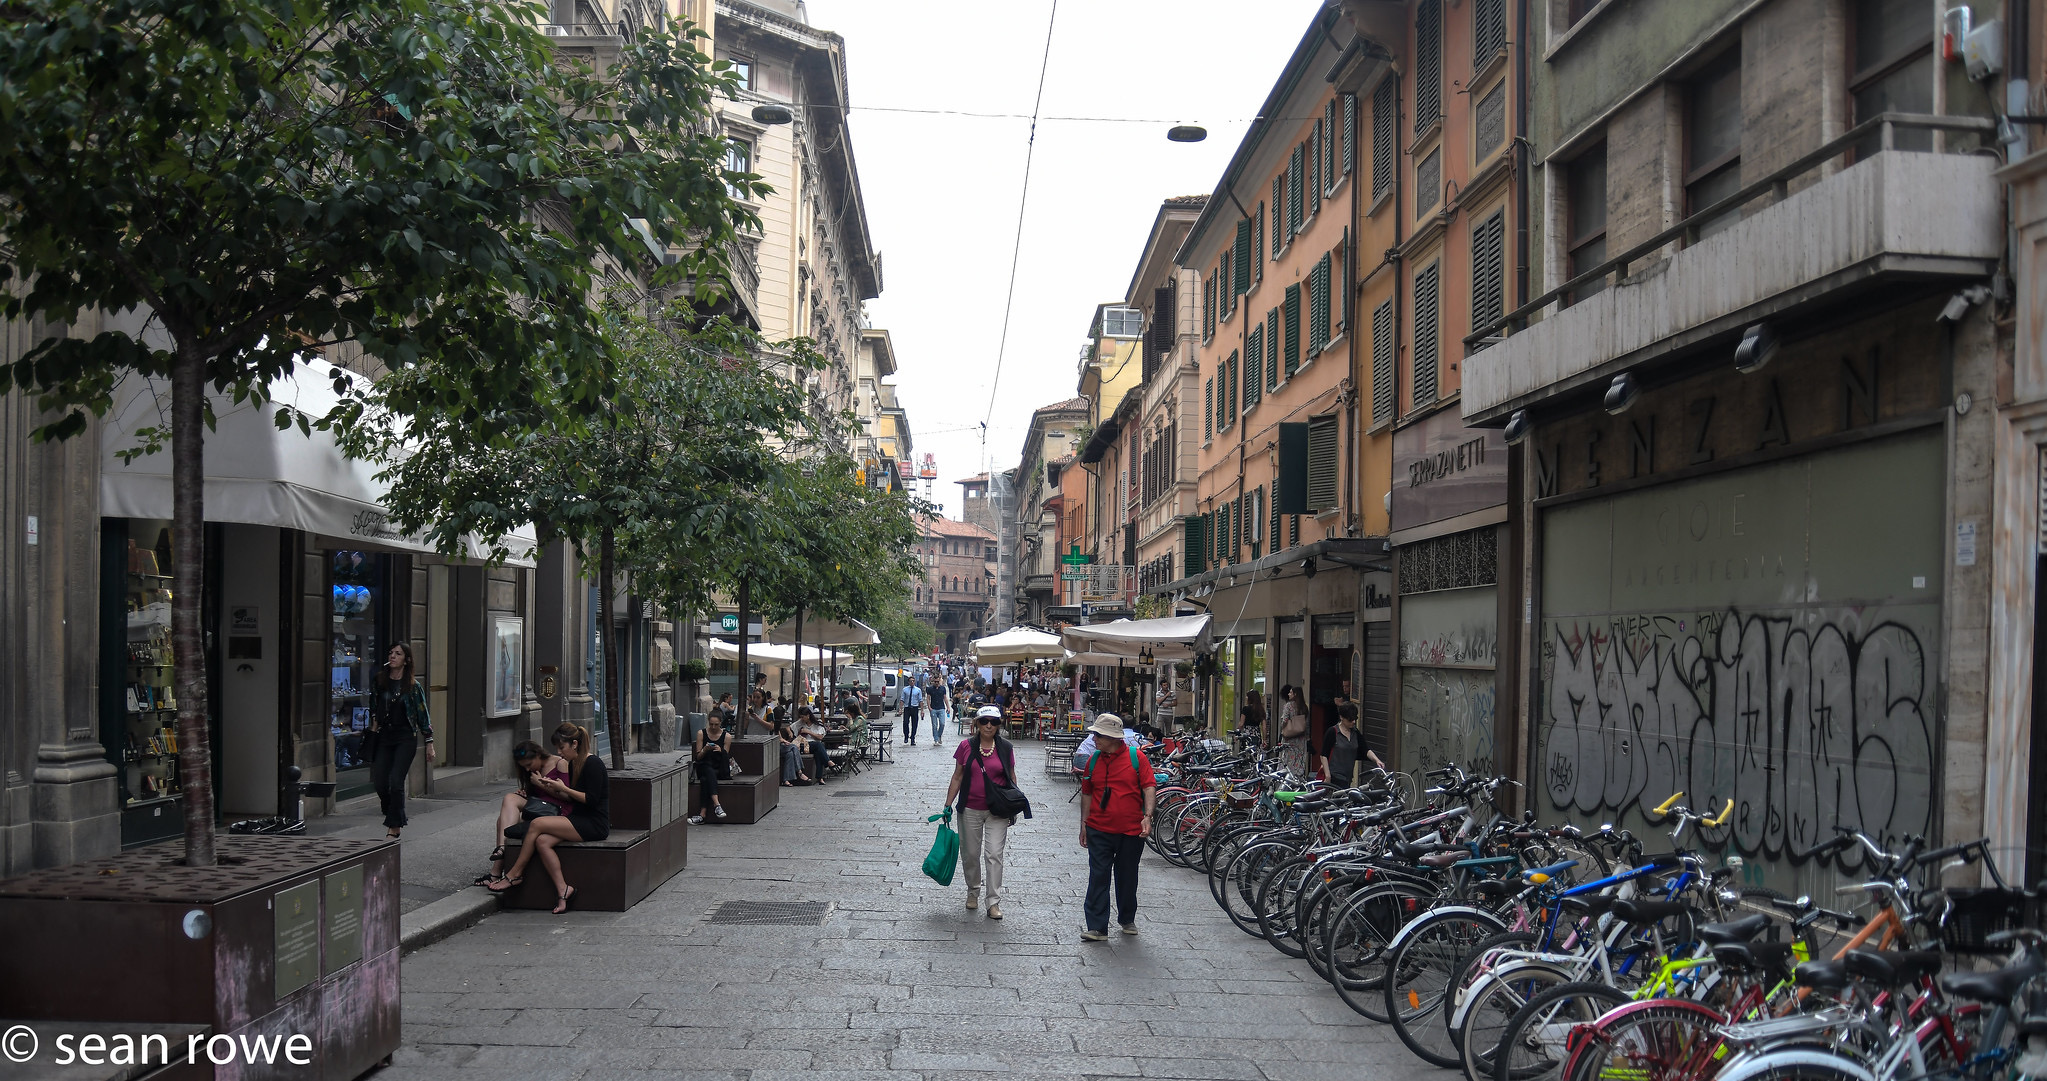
913, 697
1119, 792
983, 760
1343, 748
400, 723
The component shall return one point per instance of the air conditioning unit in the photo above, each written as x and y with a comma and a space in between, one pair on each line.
553, 30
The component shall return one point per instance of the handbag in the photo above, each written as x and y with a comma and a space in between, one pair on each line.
540, 807
1294, 727
366, 747
1005, 800
944, 857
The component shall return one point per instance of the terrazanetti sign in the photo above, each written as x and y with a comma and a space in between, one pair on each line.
1442, 469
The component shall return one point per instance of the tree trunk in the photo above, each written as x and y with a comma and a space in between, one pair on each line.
745, 695
188, 562
800, 684
613, 718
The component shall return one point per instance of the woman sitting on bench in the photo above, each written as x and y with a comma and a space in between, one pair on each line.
792, 755
586, 796
530, 760
710, 757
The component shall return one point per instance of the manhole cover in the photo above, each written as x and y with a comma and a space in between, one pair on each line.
785, 913
861, 792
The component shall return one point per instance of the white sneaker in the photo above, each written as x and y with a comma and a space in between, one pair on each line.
696, 820
973, 898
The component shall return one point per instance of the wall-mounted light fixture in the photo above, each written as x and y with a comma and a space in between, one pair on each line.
1621, 394
1758, 345
1518, 427
1187, 133
1308, 567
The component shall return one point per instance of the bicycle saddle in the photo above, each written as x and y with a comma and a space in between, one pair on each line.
1995, 987
1776, 957
1893, 967
1733, 931
1642, 911
1492, 888
1588, 904
1821, 975
1443, 859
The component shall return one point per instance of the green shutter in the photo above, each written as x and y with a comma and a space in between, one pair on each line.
1242, 277
1272, 538
1254, 365
1293, 531
1384, 144
1293, 329
1190, 542
1318, 307
1207, 407
1258, 244
1207, 308
1232, 368
1315, 181
1350, 132
1427, 335
1293, 191
1382, 363
1278, 213
1272, 350
1322, 463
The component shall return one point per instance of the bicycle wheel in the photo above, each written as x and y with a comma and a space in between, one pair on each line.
1276, 898
1318, 903
1533, 1043
1671, 1040
1469, 972
1230, 847
1356, 942
1241, 891
1418, 979
1486, 1017
1190, 829
1220, 830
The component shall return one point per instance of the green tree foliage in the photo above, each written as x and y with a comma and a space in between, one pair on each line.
902, 634
423, 181
662, 479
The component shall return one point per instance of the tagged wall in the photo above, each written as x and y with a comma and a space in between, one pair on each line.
1768, 635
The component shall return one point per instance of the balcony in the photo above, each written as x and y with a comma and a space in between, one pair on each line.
1897, 216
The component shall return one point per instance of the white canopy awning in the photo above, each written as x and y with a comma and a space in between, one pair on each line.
258, 475
1101, 660
1175, 638
826, 632
774, 655
1016, 645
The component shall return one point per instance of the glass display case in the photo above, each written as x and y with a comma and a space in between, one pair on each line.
152, 804
358, 613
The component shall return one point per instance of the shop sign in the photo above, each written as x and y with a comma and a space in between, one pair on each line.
728, 623
1378, 596
1442, 469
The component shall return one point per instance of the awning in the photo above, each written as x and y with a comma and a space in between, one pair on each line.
1100, 660
826, 632
773, 655
1175, 638
258, 475
1016, 645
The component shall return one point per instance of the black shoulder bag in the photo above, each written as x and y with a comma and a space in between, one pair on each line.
1005, 800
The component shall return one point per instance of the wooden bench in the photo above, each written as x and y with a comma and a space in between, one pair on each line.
648, 845
747, 798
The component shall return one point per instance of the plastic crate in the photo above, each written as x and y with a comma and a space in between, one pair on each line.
1976, 914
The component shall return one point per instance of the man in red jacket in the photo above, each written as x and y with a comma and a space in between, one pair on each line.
1119, 792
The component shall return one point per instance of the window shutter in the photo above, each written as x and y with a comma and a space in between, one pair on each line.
1254, 365
1163, 319
1427, 335
1190, 542
1488, 270
1330, 143
1345, 289
1382, 363
1242, 277
1293, 531
1428, 64
1222, 535
1316, 176
1272, 349
1258, 244
1207, 408
1318, 307
1207, 308
1273, 533
1233, 386
1222, 396
1488, 31
1293, 329
1322, 464
1295, 165
1224, 295
1350, 132
1278, 210
1237, 530
1383, 141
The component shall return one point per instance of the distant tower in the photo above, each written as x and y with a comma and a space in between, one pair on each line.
975, 508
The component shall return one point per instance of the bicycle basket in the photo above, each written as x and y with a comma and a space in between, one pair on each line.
1976, 914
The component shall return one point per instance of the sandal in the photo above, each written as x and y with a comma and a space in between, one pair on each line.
487, 878
507, 884
561, 905
497, 855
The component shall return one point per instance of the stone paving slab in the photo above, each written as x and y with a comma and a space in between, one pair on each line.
900, 981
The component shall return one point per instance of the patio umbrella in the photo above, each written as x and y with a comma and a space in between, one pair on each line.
1175, 638
1016, 645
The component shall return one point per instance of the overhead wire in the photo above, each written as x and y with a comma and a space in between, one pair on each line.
1022, 203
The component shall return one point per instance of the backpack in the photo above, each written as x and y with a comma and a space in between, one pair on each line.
1134, 768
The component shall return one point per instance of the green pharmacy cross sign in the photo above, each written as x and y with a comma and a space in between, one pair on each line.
1075, 558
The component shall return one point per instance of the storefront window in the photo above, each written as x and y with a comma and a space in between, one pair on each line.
1251, 676
146, 742
1225, 705
358, 607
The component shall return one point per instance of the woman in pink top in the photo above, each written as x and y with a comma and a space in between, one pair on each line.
982, 759
529, 759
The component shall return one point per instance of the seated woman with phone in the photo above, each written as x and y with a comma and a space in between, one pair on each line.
583, 813
530, 761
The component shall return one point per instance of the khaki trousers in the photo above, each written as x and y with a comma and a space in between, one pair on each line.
983, 835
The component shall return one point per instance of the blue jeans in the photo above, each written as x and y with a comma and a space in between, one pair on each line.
1107, 854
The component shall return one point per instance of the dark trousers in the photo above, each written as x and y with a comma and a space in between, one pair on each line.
1107, 854
909, 724
388, 769
709, 769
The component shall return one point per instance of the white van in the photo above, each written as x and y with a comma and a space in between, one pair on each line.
884, 684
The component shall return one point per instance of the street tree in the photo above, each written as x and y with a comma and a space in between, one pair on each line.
421, 182
902, 633
656, 479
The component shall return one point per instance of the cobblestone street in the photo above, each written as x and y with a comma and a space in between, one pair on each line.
900, 980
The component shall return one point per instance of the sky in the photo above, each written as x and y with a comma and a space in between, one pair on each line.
943, 191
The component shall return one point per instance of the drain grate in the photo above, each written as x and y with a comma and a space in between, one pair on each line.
780, 913
861, 792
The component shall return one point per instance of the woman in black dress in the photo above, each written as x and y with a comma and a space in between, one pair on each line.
587, 795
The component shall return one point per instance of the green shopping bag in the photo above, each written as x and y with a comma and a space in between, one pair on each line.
945, 851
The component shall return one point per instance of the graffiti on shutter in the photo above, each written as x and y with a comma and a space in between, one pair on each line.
1322, 463
1426, 334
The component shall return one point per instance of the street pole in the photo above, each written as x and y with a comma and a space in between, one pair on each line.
745, 695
